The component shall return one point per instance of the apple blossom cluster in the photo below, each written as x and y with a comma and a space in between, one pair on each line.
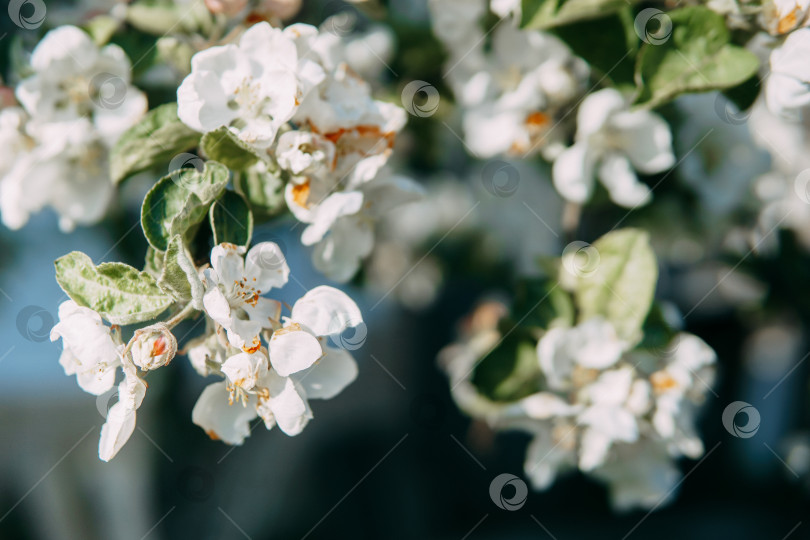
520, 96
291, 97
618, 413
269, 365
74, 104
612, 392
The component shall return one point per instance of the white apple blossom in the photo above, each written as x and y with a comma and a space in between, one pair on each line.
341, 224
94, 352
252, 88
603, 406
121, 417
75, 105
305, 152
787, 89
514, 94
74, 79
610, 142
234, 285
779, 17
65, 168
301, 366
90, 349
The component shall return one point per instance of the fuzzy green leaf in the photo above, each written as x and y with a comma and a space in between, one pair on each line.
263, 190
697, 57
179, 276
231, 219
223, 146
153, 141
180, 201
118, 292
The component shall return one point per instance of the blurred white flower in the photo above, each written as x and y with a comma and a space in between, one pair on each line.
77, 102
619, 413
341, 225
234, 285
75, 79
779, 17
787, 89
610, 142
514, 94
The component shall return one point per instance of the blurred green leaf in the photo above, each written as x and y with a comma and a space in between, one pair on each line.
541, 303
621, 287
609, 44
544, 14
510, 371
696, 57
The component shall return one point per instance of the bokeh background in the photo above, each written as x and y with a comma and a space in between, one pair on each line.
392, 456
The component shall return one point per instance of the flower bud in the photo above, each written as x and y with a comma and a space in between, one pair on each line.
153, 347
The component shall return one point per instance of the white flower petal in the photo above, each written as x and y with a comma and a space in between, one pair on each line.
290, 410
293, 349
217, 307
596, 110
202, 103
244, 369
646, 139
335, 371
572, 173
116, 431
266, 267
230, 423
335, 206
621, 181
326, 311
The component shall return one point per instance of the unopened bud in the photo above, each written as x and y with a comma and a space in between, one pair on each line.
153, 347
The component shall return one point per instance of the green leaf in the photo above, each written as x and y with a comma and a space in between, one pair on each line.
223, 146
608, 44
263, 190
160, 17
119, 293
543, 14
179, 276
231, 220
153, 262
657, 332
178, 202
621, 286
101, 28
541, 303
510, 371
697, 57
158, 137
